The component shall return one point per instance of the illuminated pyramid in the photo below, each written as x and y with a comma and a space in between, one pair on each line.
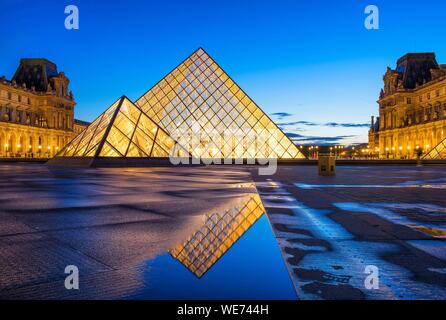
203, 109
123, 130
437, 153
196, 111
218, 234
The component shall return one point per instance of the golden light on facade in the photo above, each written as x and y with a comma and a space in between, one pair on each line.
40, 147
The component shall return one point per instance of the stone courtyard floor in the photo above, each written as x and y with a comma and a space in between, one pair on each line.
331, 231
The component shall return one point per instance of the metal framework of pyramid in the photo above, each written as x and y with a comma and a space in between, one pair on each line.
218, 234
437, 153
198, 99
196, 111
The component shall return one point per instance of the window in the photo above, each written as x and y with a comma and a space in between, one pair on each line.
409, 101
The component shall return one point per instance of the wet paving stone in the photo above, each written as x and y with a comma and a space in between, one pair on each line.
331, 229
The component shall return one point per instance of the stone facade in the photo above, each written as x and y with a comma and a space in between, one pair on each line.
36, 111
412, 108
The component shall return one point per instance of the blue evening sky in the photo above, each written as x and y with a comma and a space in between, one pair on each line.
312, 60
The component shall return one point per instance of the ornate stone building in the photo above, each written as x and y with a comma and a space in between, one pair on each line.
412, 108
36, 111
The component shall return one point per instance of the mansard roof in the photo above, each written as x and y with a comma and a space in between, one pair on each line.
35, 73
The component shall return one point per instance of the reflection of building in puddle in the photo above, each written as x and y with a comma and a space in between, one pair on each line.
219, 232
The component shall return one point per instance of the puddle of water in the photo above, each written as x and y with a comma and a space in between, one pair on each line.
234, 255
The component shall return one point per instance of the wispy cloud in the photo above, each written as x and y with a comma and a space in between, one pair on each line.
329, 124
347, 125
317, 139
282, 115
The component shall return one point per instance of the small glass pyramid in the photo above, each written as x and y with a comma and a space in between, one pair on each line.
123, 130
437, 153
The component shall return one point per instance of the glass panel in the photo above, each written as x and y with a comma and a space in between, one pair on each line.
119, 141
134, 151
159, 152
109, 151
130, 111
143, 141
124, 124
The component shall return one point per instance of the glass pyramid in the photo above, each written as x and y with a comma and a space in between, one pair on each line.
219, 232
123, 130
208, 114
437, 153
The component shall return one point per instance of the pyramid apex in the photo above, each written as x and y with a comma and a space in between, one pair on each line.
200, 51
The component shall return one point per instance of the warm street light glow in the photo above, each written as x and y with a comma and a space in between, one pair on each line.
40, 147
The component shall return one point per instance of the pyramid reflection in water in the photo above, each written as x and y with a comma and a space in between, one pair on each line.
219, 232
